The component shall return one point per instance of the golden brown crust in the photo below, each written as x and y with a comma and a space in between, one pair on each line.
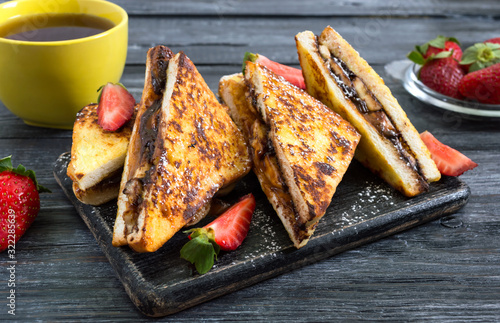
100, 193
234, 92
198, 149
96, 153
154, 84
375, 151
314, 145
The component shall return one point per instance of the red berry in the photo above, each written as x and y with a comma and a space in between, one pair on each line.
116, 106
449, 161
227, 232
291, 74
440, 47
449, 46
19, 202
480, 55
232, 226
442, 75
482, 85
495, 40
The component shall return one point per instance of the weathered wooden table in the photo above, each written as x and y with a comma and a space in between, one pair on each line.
444, 270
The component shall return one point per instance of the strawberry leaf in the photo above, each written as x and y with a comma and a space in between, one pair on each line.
6, 165
441, 55
422, 49
438, 42
99, 90
416, 57
481, 55
453, 39
201, 249
248, 57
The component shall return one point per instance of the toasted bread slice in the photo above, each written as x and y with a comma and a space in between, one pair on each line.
390, 146
234, 92
314, 145
197, 149
157, 60
97, 157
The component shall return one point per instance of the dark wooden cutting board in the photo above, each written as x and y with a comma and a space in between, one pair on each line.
363, 209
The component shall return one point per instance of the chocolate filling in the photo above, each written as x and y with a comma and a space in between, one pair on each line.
369, 106
265, 163
148, 131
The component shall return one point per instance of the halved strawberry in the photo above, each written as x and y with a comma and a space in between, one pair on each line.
291, 74
116, 106
449, 161
227, 232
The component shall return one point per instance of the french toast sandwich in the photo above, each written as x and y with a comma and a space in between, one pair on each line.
299, 147
390, 146
184, 148
97, 157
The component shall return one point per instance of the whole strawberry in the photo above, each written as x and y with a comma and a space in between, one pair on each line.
481, 55
439, 47
443, 75
482, 85
495, 40
444, 44
20, 201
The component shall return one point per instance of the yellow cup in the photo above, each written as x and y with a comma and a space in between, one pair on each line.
47, 83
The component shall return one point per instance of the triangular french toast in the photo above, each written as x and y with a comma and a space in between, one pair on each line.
300, 148
390, 146
188, 148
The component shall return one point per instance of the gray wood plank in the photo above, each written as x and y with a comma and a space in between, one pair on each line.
317, 8
216, 40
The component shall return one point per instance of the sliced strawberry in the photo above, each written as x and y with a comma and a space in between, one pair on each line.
291, 74
449, 161
227, 232
232, 226
116, 106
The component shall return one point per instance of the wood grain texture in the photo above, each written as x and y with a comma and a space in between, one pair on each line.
306, 9
435, 272
364, 210
215, 40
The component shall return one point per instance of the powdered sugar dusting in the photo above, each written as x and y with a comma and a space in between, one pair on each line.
371, 200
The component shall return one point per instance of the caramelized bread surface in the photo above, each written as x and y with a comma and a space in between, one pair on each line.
96, 155
197, 150
136, 162
390, 146
234, 93
314, 145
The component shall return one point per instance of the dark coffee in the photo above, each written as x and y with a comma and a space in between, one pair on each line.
54, 27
